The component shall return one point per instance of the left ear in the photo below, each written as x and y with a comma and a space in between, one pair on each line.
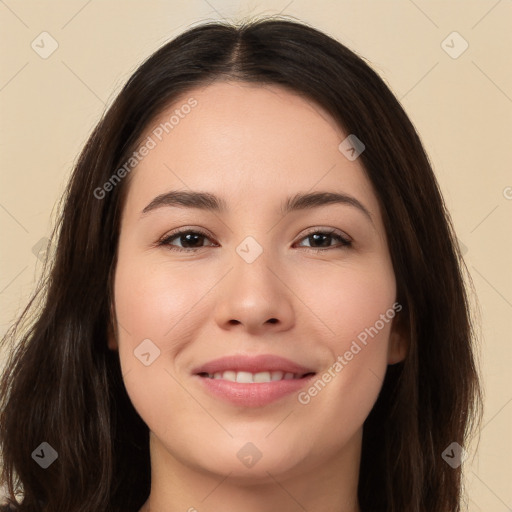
398, 345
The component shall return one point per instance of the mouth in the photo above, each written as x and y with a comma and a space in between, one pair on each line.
252, 381
254, 378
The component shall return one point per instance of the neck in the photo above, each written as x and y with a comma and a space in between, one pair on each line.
329, 486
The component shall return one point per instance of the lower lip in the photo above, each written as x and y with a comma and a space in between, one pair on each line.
253, 395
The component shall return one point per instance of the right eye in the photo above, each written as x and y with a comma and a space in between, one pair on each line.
187, 237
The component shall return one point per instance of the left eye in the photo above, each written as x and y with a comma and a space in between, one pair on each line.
319, 236
189, 240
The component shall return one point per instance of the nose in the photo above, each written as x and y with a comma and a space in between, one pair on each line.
254, 297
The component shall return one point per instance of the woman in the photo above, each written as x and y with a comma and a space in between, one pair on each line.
191, 353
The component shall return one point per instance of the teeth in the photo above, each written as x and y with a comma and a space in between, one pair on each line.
251, 378
228, 376
244, 377
261, 377
276, 375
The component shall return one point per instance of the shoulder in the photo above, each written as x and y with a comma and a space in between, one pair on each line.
7, 508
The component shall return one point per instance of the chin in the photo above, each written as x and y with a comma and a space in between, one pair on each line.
252, 461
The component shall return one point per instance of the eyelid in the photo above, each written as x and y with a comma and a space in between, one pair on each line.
182, 231
327, 231
346, 240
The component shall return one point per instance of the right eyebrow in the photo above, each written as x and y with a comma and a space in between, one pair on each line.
183, 198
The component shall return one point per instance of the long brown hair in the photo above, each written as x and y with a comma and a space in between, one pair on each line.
63, 386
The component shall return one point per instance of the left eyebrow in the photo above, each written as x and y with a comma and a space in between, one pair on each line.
303, 201
211, 202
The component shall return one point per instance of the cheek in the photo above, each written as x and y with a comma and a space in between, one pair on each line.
154, 309
151, 299
347, 301
356, 310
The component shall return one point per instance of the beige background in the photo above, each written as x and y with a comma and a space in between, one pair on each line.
462, 108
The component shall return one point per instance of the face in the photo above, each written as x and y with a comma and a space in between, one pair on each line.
259, 323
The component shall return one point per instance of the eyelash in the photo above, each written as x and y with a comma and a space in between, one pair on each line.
345, 242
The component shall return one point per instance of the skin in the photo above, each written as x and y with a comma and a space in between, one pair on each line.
253, 146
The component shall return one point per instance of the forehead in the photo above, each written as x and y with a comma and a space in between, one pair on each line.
247, 143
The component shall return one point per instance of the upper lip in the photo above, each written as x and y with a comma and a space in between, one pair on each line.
252, 364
